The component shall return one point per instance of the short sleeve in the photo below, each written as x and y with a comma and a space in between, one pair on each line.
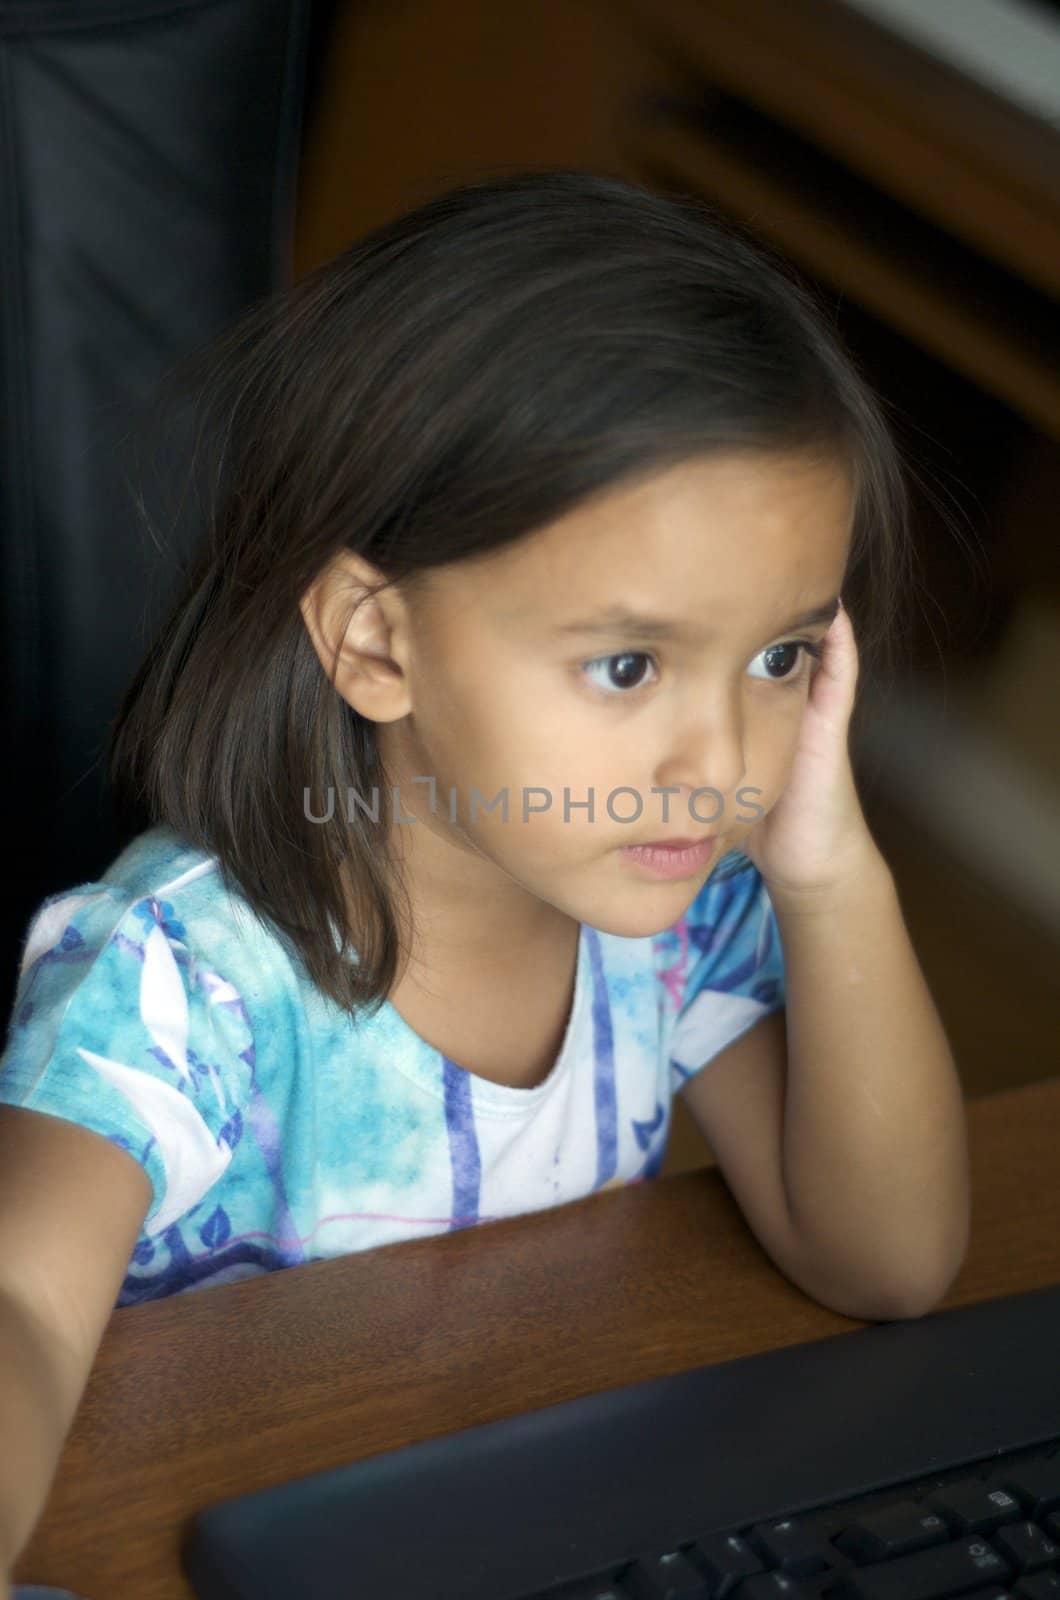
734, 970
117, 1026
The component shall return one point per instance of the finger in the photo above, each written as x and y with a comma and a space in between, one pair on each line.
834, 682
841, 651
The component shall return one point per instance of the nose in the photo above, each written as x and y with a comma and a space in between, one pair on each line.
708, 751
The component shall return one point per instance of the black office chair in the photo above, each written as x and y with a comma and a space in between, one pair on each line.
150, 152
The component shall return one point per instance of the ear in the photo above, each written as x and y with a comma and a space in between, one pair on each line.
360, 638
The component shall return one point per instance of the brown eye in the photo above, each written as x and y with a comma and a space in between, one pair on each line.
620, 673
783, 660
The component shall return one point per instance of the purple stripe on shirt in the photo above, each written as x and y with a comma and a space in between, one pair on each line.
603, 1068
464, 1158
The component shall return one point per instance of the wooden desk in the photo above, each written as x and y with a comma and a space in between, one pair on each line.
225, 1390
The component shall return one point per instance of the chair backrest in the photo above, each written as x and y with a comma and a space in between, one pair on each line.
149, 157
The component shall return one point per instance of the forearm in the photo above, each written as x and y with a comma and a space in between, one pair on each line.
875, 1145
34, 1418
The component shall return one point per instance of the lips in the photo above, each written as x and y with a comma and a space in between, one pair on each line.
674, 844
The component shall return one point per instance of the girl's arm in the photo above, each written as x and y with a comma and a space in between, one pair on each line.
71, 1209
839, 1123
842, 1135
874, 1143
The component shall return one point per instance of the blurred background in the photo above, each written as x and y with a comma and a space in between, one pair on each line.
904, 154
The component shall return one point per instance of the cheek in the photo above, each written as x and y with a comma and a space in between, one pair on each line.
772, 748
539, 755
460, 717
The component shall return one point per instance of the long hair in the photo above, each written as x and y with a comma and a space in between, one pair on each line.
453, 381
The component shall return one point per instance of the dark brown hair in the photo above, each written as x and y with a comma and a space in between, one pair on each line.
452, 382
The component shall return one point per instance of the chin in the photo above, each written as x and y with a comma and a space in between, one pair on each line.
646, 920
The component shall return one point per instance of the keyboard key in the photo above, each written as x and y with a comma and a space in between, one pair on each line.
1026, 1546
667, 1577
793, 1547
727, 1558
773, 1586
1038, 1586
894, 1531
1035, 1483
929, 1575
972, 1506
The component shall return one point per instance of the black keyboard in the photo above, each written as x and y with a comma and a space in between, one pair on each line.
990, 1529
899, 1461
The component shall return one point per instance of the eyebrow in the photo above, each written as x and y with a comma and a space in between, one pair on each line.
638, 625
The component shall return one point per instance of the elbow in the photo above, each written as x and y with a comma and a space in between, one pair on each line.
910, 1307
898, 1297
927, 1293
919, 1287
928, 1298
897, 1281
878, 1305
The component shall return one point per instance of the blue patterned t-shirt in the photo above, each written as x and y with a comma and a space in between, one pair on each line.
155, 1008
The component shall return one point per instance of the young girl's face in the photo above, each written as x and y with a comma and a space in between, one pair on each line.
518, 681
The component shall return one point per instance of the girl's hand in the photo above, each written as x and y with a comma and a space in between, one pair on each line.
815, 840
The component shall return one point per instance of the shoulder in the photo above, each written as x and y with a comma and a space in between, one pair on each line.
73, 924
160, 919
141, 1003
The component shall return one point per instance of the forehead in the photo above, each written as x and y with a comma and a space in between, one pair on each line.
720, 532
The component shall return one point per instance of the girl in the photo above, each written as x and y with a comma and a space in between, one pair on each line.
490, 785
